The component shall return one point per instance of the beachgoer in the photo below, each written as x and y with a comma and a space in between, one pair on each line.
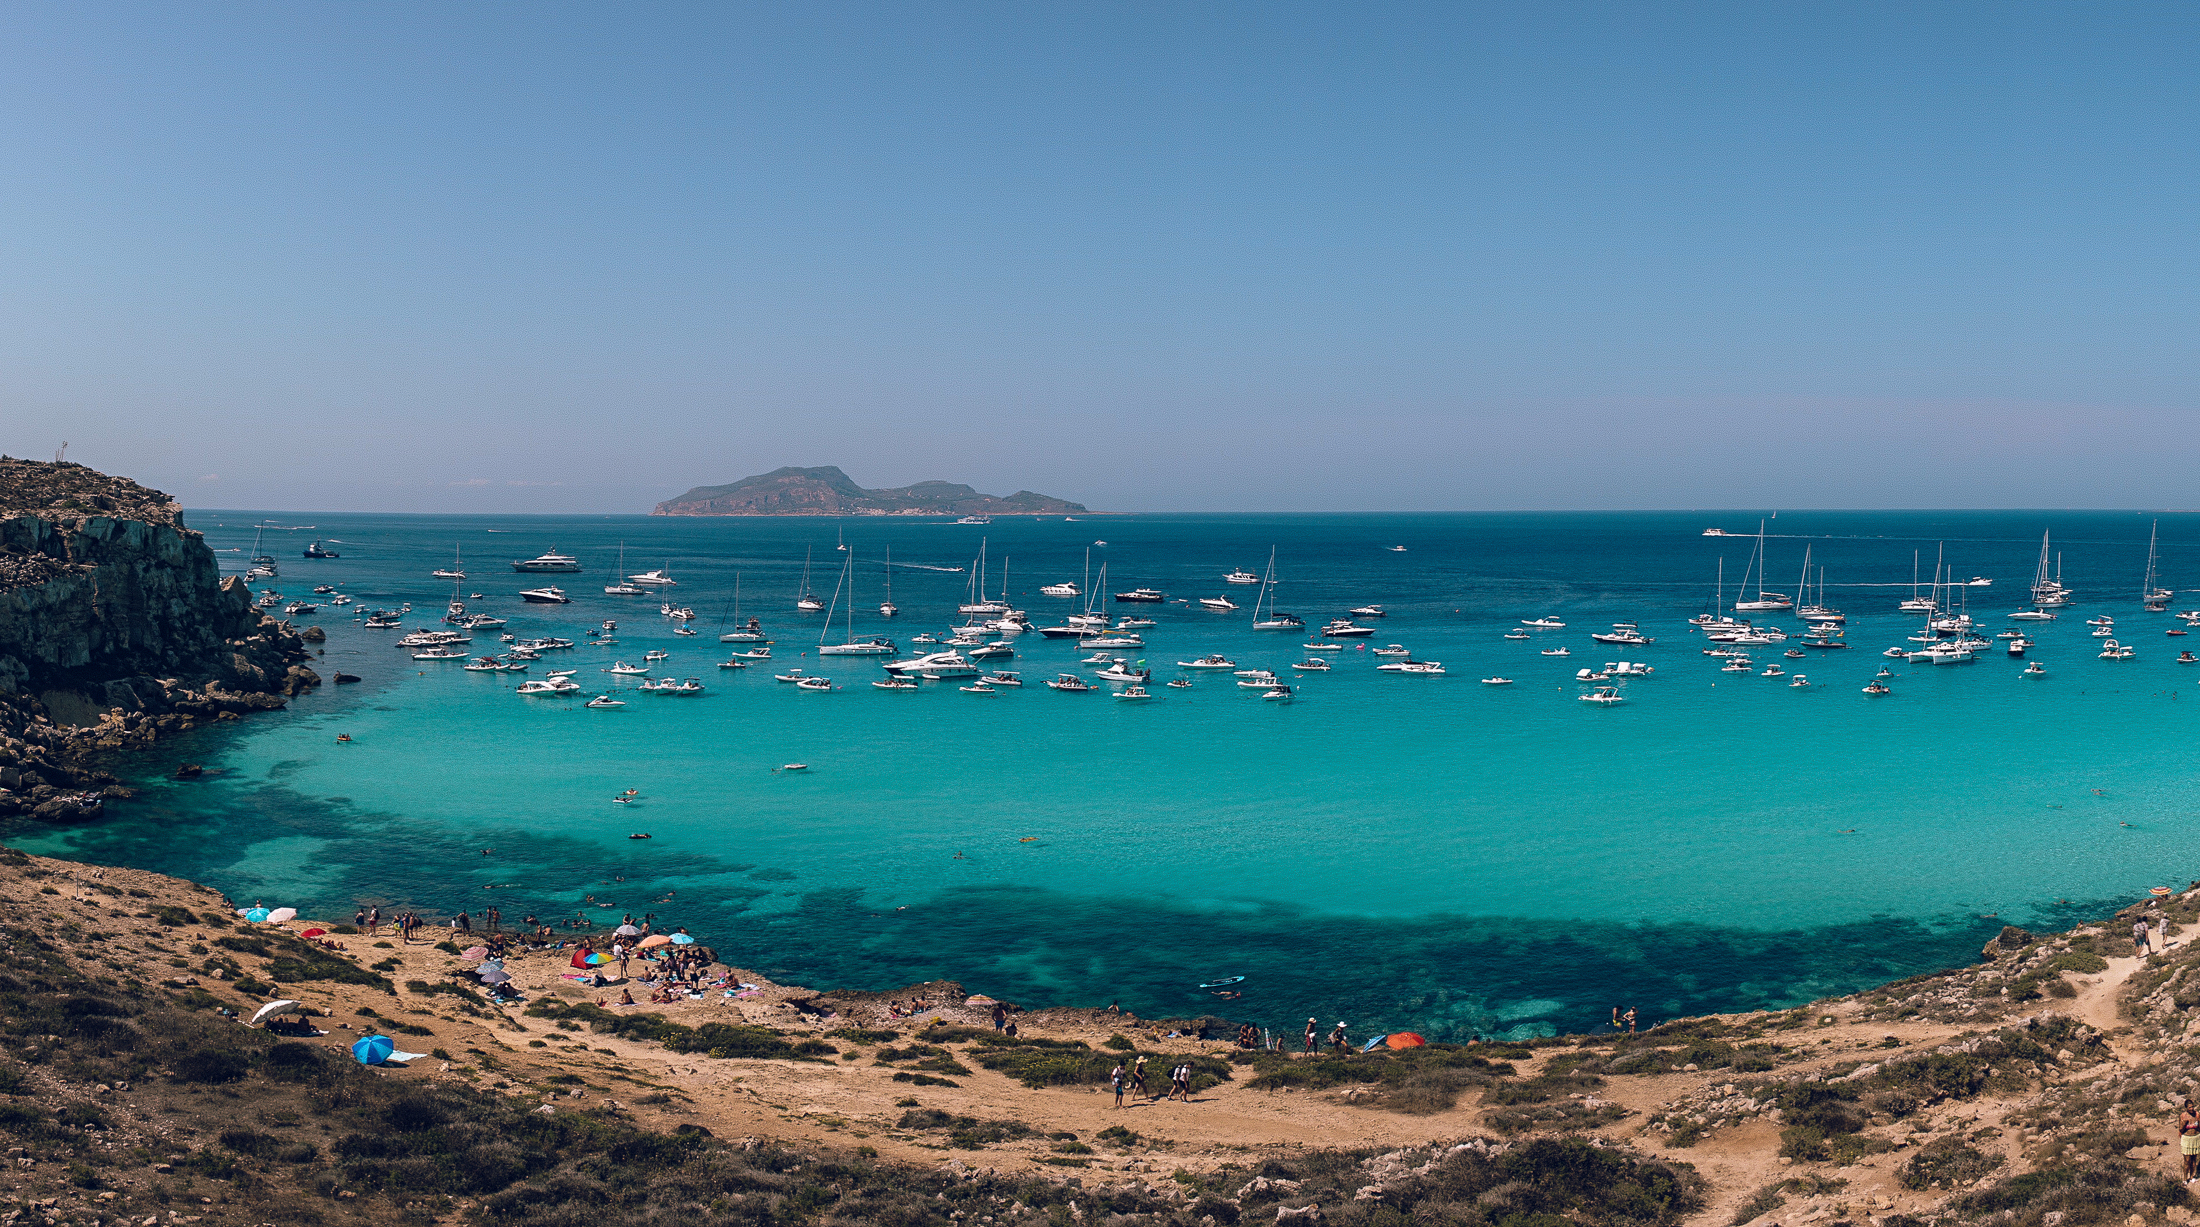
626, 996
1630, 1017
359, 919
2188, 1139
374, 921
1311, 1029
1009, 1030
1000, 1016
1615, 1018
1337, 1038
1138, 1075
1115, 1079
2139, 936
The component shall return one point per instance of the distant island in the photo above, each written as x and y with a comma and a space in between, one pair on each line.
826, 491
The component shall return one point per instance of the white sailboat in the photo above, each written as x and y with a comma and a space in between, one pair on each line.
624, 587
1274, 621
749, 632
1765, 600
2152, 595
975, 601
874, 646
2048, 590
457, 569
887, 608
806, 602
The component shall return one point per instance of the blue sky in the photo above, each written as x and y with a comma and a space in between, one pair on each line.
1204, 257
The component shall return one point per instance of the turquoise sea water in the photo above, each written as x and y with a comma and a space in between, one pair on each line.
1392, 851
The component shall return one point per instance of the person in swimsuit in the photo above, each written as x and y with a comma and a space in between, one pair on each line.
1310, 1031
1115, 1079
2188, 1140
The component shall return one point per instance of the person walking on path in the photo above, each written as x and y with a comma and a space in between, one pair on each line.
2188, 1140
1138, 1076
2139, 936
1311, 1029
1180, 1081
1337, 1038
1116, 1080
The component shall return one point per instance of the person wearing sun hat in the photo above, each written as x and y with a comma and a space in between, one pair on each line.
1336, 1037
1311, 1031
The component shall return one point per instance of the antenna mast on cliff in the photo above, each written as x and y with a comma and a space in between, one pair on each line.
61, 451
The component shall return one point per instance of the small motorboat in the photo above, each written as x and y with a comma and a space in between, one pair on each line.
2035, 669
1215, 661
1516, 633
1220, 604
1801, 682
1399, 649
641, 835
1133, 694
1737, 665
2176, 631
626, 670
2187, 658
1884, 672
1323, 647
604, 700
1278, 694
983, 687
733, 664
1603, 695
683, 629
1070, 682
1366, 611
655, 654
1549, 624
2110, 650
1497, 681
814, 683
1314, 665
1181, 683
1002, 677
793, 767
791, 675
754, 654
895, 683
1896, 653
1875, 686
1559, 652
1793, 653
1773, 671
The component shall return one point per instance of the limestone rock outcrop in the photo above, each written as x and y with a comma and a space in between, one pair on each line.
116, 626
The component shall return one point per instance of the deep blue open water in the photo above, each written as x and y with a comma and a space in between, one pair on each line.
1393, 851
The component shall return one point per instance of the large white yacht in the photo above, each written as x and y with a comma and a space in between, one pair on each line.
934, 665
550, 562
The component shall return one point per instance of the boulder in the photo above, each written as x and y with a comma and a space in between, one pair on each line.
2010, 940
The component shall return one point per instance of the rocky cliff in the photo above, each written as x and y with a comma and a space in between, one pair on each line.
116, 626
826, 491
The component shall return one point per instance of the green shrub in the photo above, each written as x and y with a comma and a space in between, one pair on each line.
1948, 1160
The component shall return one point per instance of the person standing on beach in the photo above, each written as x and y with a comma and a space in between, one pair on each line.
1310, 1031
1615, 1018
1630, 1017
1000, 1016
374, 921
1115, 1079
359, 920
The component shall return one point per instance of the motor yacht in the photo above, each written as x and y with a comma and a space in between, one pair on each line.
1425, 668
874, 646
934, 665
754, 654
1220, 604
1366, 611
546, 686
1345, 628
659, 578
1122, 672
1061, 589
1548, 624
545, 596
1112, 641
1141, 596
1131, 622
1629, 637
1396, 649
1241, 576
552, 562
990, 651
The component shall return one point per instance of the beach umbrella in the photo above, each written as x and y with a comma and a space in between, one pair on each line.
1404, 1039
495, 975
282, 914
314, 933
627, 931
653, 941
273, 1009
492, 965
598, 960
255, 915
682, 939
1373, 1044
373, 1049
475, 952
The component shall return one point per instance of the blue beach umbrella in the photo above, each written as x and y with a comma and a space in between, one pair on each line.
373, 1049
682, 939
1375, 1043
257, 915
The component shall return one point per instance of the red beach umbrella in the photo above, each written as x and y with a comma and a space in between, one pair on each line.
1404, 1039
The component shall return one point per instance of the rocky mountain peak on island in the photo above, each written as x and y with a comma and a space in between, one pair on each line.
826, 491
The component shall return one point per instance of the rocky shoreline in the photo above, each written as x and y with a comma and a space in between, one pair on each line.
116, 628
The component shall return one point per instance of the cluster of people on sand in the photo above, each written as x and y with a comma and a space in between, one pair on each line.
1132, 1081
1626, 1020
910, 1008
